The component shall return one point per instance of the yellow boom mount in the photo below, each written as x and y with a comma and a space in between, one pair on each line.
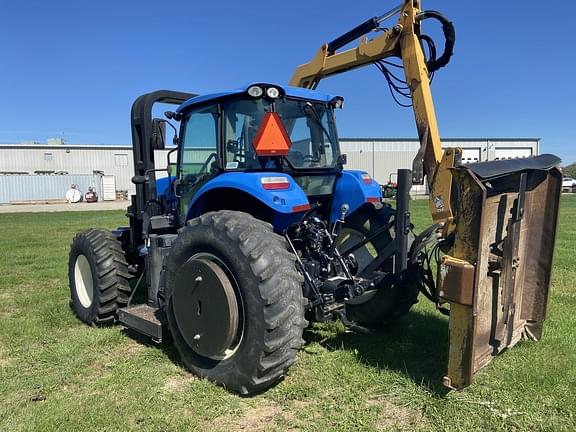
498, 218
400, 41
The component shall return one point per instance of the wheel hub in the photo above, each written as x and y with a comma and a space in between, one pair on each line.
83, 282
205, 307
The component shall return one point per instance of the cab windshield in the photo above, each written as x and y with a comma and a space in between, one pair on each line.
310, 126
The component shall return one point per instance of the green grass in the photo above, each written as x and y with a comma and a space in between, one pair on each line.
58, 374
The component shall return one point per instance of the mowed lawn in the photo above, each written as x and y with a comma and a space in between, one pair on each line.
58, 374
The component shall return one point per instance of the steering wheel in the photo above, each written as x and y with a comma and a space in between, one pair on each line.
205, 164
233, 146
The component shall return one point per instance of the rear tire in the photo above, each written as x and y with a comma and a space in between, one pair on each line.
385, 304
99, 277
259, 300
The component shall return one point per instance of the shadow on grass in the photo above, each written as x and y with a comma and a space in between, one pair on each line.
167, 346
169, 349
416, 346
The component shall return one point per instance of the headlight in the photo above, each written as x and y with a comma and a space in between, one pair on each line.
255, 91
272, 92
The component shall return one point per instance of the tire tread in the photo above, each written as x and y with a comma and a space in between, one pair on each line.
113, 275
279, 288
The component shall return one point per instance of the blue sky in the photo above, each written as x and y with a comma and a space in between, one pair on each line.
73, 69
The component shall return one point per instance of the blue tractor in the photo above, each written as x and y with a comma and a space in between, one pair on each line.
259, 232
258, 229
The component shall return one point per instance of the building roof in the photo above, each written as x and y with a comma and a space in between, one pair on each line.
68, 146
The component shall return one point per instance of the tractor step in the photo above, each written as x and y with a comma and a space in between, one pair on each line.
144, 319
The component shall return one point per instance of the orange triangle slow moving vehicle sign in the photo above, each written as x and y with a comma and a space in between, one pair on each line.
272, 138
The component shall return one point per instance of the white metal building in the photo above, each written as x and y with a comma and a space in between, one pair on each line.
380, 157
72, 159
383, 157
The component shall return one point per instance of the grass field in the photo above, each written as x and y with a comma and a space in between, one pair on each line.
57, 374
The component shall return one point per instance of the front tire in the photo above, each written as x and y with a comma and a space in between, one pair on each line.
385, 304
233, 301
98, 276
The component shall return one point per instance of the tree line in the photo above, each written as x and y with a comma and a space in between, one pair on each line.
569, 170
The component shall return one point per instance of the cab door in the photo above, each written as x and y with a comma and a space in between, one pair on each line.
199, 160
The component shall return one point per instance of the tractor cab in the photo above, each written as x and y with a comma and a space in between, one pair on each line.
260, 128
268, 149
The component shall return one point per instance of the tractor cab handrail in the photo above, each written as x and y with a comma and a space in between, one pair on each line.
141, 120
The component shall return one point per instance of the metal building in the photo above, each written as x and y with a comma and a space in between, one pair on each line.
383, 157
380, 157
71, 159
24, 188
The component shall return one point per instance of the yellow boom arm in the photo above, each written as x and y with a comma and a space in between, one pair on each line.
400, 41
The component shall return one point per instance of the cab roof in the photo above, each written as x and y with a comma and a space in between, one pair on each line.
294, 92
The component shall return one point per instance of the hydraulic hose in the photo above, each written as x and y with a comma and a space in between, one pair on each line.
449, 36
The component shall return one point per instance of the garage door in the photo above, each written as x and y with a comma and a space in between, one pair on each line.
512, 152
470, 155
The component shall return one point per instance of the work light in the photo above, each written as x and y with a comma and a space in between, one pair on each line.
272, 92
255, 91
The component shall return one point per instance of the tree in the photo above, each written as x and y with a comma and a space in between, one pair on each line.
570, 170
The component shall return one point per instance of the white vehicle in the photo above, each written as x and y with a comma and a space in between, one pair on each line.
568, 184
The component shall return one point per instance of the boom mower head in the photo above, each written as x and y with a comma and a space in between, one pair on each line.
496, 273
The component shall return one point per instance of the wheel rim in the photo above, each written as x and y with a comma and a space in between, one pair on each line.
208, 307
363, 255
83, 281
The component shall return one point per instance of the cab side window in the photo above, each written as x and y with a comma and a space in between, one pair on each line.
198, 161
200, 144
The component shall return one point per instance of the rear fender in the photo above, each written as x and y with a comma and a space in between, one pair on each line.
354, 188
286, 204
497, 275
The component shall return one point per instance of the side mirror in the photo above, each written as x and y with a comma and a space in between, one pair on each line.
337, 102
158, 137
139, 179
342, 160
